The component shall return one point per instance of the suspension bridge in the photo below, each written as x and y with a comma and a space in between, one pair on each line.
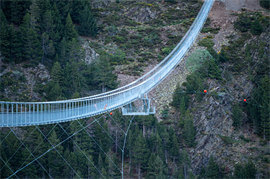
19, 114
16, 114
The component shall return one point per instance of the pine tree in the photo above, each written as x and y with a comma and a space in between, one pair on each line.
247, 170
174, 146
48, 50
256, 27
156, 168
184, 163
70, 32
9, 147
189, 131
237, 116
140, 153
104, 76
63, 8
91, 170
54, 91
87, 23
57, 73
15, 10
35, 16
55, 163
37, 146
82, 139
76, 8
3, 19
57, 27
5, 35
265, 107
259, 108
32, 46
212, 169
180, 99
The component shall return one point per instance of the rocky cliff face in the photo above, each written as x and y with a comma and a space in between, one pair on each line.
212, 116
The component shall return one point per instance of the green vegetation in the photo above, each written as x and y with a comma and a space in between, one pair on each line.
256, 23
189, 131
212, 170
247, 170
208, 28
265, 4
237, 116
44, 32
196, 59
259, 108
227, 140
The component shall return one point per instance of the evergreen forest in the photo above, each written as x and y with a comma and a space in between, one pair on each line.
212, 126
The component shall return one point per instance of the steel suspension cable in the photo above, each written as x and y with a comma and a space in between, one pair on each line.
31, 153
37, 146
99, 145
59, 153
8, 166
108, 134
123, 151
75, 133
18, 149
82, 152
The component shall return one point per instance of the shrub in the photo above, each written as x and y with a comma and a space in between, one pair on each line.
256, 28
243, 23
265, 4
247, 170
237, 116
210, 69
226, 139
206, 43
166, 51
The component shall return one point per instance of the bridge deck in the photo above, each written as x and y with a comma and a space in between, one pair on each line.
14, 114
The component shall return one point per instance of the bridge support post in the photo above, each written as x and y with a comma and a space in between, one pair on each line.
140, 107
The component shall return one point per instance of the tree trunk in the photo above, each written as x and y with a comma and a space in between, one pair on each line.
116, 143
139, 171
129, 167
144, 130
166, 157
185, 171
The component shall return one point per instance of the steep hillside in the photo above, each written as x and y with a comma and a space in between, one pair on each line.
212, 117
227, 128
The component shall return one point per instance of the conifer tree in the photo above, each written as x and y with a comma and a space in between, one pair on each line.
237, 116
104, 76
32, 47
156, 168
189, 131
247, 170
48, 50
57, 27
184, 163
5, 35
70, 32
140, 153
57, 73
212, 169
63, 8
265, 107
174, 146
87, 23
55, 162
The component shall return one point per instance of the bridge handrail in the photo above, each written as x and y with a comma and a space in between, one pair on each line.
14, 114
120, 89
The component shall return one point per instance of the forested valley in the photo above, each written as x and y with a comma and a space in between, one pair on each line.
191, 137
